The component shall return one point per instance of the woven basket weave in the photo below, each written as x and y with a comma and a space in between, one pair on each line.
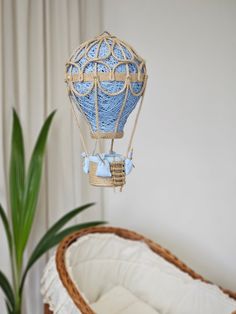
126, 234
116, 180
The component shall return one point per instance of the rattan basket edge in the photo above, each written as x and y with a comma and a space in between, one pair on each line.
124, 233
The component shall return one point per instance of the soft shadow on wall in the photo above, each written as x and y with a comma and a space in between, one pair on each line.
182, 191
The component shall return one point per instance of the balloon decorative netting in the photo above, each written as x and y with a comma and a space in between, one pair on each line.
106, 80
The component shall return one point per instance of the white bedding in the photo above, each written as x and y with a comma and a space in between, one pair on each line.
121, 301
99, 263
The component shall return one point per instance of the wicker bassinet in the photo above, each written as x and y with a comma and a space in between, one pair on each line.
123, 233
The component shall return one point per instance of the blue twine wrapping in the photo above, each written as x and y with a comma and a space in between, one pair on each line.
87, 60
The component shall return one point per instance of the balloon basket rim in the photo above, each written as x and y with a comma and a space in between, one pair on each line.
117, 179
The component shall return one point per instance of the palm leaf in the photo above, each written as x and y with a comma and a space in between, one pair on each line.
7, 228
17, 177
51, 240
52, 231
32, 183
7, 289
60, 236
62, 221
10, 310
37, 253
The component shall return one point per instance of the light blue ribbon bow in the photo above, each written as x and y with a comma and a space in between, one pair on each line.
103, 168
128, 166
85, 163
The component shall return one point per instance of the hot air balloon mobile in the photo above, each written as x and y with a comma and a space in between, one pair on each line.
106, 80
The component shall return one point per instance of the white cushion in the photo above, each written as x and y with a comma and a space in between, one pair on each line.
97, 263
121, 301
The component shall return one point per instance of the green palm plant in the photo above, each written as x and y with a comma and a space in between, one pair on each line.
24, 189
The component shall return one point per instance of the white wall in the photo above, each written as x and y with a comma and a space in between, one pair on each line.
182, 192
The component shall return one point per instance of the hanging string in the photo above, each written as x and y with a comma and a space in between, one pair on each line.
96, 110
80, 131
120, 113
95, 147
127, 84
135, 126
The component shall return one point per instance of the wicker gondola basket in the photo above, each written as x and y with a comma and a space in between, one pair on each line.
117, 178
126, 234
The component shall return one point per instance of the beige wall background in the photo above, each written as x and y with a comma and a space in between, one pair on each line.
182, 192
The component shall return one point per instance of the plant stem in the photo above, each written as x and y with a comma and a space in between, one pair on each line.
16, 274
13, 271
18, 304
18, 299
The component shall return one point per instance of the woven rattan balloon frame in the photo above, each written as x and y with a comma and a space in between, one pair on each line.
96, 78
